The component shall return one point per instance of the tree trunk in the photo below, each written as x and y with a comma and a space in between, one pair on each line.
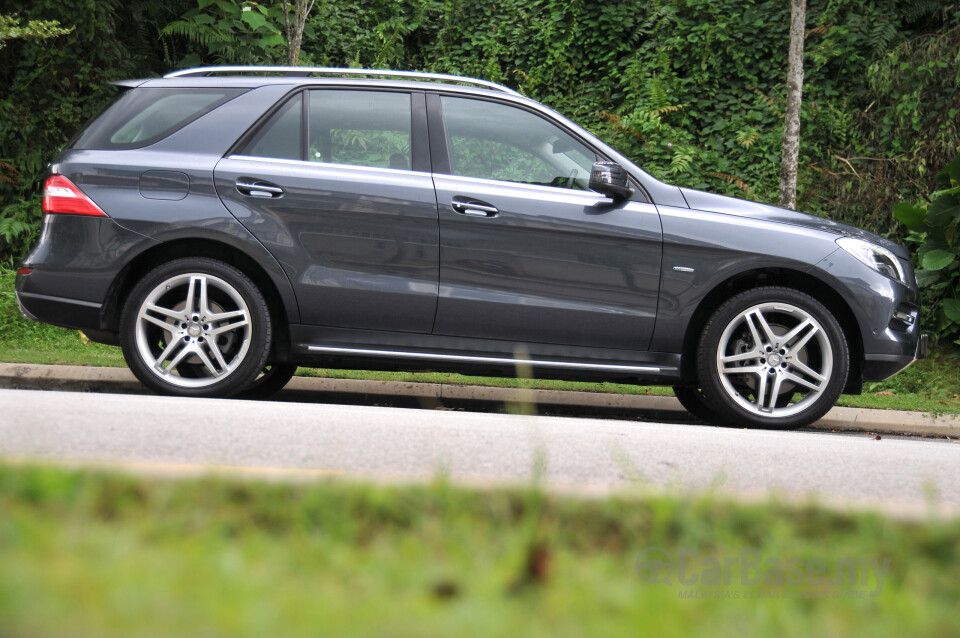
791, 125
294, 29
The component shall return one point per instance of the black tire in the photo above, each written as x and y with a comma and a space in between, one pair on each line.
271, 380
791, 378
693, 401
217, 349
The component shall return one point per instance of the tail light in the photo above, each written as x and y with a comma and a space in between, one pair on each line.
60, 195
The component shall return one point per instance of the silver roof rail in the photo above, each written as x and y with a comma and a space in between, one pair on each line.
204, 71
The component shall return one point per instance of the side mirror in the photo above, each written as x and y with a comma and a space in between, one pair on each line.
610, 179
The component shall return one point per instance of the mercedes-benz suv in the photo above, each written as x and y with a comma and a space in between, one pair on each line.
226, 224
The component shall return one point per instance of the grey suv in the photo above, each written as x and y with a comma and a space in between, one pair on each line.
226, 224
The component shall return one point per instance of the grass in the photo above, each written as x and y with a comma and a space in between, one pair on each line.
85, 553
930, 385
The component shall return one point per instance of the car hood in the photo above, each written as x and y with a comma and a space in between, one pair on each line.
714, 203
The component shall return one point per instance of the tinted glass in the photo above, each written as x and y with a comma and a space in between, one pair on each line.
281, 136
141, 117
360, 128
495, 141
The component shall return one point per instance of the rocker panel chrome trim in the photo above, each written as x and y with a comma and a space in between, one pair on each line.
476, 359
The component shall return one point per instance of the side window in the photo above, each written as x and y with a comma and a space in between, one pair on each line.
360, 128
281, 136
496, 141
140, 117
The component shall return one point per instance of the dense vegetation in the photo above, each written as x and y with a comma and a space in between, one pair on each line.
693, 90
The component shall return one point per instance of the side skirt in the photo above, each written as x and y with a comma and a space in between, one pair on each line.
360, 349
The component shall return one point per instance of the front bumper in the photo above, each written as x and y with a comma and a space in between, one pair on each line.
877, 367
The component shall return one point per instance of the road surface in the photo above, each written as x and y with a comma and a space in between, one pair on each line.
304, 440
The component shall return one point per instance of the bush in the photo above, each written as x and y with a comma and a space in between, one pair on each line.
934, 227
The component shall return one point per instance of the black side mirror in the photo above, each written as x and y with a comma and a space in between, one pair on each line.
610, 179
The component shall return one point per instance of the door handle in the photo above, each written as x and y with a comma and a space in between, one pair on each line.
258, 188
474, 208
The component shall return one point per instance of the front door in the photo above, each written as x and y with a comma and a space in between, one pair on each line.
527, 253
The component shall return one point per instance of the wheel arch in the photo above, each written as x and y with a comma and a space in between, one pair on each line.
789, 278
132, 272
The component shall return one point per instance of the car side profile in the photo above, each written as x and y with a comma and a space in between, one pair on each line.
224, 225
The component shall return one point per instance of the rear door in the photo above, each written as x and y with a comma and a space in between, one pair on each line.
527, 253
336, 184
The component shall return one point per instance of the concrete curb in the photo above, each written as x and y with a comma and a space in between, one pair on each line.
121, 380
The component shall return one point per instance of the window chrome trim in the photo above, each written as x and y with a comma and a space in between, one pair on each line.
302, 163
436, 356
482, 181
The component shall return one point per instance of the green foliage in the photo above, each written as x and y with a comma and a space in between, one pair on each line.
934, 228
41, 29
19, 226
226, 32
50, 87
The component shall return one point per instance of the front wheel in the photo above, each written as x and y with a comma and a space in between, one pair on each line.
196, 327
271, 380
772, 357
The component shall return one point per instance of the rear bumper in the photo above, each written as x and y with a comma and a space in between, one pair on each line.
59, 311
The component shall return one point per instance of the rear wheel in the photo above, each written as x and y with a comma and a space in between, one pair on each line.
694, 402
196, 327
772, 358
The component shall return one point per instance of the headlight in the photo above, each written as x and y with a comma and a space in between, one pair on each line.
878, 258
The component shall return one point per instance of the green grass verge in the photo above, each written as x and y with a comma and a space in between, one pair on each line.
931, 385
85, 553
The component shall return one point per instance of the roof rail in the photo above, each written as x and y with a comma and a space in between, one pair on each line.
204, 71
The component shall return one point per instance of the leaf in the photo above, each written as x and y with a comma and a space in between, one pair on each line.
909, 215
943, 210
951, 308
927, 277
254, 19
937, 259
950, 173
274, 40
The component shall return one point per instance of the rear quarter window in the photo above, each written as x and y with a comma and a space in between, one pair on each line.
143, 116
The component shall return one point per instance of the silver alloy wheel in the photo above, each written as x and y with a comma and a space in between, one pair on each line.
204, 330
771, 351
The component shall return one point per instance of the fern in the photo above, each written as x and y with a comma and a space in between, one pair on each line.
656, 94
769, 101
10, 229
918, 9
200, 34
742, 185
668, 109
881, 36
747, 137
681, 160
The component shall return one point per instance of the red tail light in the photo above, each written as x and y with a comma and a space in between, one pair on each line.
60, 195
24, 271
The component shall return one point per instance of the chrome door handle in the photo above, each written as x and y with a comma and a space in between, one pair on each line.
471, 207
256, 188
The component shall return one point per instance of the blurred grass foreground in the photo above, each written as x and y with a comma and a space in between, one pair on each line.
88, 553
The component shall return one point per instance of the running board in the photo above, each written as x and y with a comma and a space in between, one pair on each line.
436, 356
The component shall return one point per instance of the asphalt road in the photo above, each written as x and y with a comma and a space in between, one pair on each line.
305, 440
